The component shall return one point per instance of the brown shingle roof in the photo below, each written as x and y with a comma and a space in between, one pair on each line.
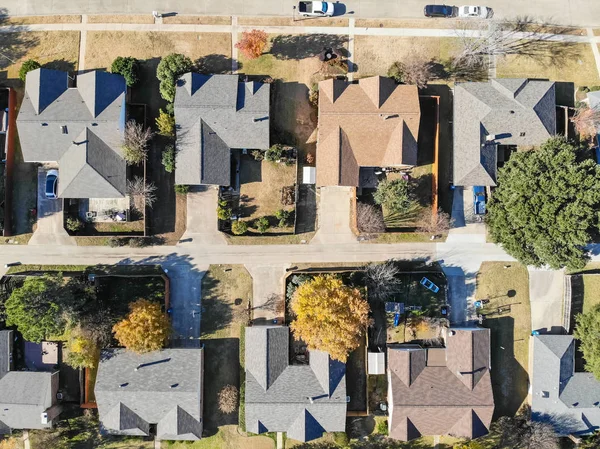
432, 398
374, 123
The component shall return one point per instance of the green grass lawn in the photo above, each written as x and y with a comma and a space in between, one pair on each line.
510, 332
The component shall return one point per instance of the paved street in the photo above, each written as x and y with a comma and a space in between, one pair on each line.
572, 12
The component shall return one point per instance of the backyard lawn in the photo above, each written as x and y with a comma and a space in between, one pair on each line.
510, 331
260, 192
226, 297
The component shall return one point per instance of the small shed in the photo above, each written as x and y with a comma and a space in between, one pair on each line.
309, 175
376, 362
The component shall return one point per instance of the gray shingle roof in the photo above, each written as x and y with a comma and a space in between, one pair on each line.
517, 111
6, 350
569, 400
92, 116
214, 114
24, 396
302, 400
166, 390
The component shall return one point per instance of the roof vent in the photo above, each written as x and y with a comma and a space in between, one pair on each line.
490, 137
522, 134
545, 394
44, 124
123, 385
512, 112
173, 385
63, 128
311, 400
94, 124
452, 333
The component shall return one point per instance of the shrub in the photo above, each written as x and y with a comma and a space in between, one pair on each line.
137, 242
165, 123
182, 188
310, 158
262, 225
169, 69
369, 219
252, 43
168, 158
239, 227
341, 439
127, 67
274, 153
258, 155
396, 72
114, 242
382, 427
73, 224
288, 195
27, 67
83, 351
283, 216
394, 194
135, 142
145, 329
313, 96
223, 211
228, 399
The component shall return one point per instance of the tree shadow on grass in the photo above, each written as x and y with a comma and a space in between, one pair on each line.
60, 64
305, 45
215, 63
216, 313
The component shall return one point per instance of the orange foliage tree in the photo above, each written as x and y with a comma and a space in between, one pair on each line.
252, 43
145, 329
330, 316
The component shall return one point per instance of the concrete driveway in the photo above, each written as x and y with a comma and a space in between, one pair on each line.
50, 230
465, 227
334, 216
202, 218
268, 292
546, 293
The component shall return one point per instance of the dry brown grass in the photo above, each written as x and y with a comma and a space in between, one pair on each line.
197, 20
30, 20
412, 23
121, 18
104, 46
52, 49
375, 54
580, 68
597, 32
288, 21
171, 238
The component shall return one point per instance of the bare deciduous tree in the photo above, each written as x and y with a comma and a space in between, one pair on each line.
521, 36
438, 224
382, 280
586, 120
369, 219
135, 142
414, 69
228, 399
141, 192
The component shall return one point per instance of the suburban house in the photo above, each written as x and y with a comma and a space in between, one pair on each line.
158, 393
441, 391
303, 399
215, 114
568, 400
78, 128
493, 118
28, 399
364, 127
594, 103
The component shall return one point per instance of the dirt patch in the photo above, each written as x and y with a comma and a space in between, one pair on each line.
197, 20
29, 20
121, 18
579, 68
104, 46
171, 238
300, 21
375, 54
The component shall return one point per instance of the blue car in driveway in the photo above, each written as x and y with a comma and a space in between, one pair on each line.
479, 200
51, 184
429, 285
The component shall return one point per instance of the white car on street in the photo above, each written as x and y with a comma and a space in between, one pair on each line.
479, 12
316, 9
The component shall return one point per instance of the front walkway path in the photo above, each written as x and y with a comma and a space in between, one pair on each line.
546, 293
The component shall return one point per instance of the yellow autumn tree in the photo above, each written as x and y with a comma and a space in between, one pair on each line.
82, 351
145, 329
330, 316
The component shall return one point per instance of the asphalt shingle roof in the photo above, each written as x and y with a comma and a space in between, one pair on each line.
24, 396
80, 128
568, 400
372, 123
516, 111
303, 400
446, 392
166, 389
214, 114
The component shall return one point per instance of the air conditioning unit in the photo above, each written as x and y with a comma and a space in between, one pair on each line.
44, 417
490, 137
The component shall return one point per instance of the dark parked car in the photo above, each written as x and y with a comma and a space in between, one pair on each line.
51, 184
439, 11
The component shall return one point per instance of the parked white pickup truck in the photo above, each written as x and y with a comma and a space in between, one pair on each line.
316, 8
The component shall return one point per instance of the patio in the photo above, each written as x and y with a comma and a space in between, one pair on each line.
104, 210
